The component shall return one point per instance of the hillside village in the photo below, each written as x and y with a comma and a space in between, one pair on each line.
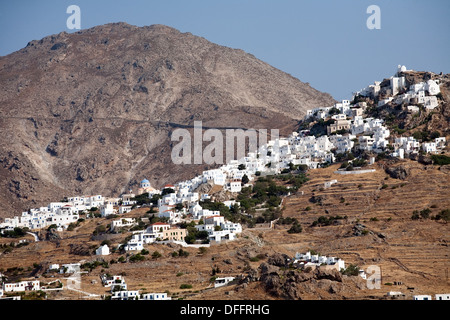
343, 132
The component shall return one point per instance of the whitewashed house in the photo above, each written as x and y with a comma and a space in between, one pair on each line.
22, 286
217, 176
385, 101
235, 185
124, 209
127, 199
422, 297
328, 184
413, 109
70, 268
222, 281
108, 281
102, 251
397, 84
440, 142
106, 209
158, 227
310, 260
154, 296
429, 147
430, 102
134, 245
443, 296
228, 230
366, 142
215, 220
231, 227
125, 295
54, 266
124, 222
432, 87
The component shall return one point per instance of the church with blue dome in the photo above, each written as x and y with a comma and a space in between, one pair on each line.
145, 186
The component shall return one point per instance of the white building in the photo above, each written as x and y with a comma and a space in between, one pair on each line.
397, 84
432, 87
106, 209
235, 185
108, 281
430, 102
440, 142
102, 251
422, 297
429, 147
220, 282
158, 227
22, 286
154, 296
127, 199
124, 222
124, 209
443, 296
227, 230
307, 259
328, 184
70, 268
125, 295
217, 176
134, 245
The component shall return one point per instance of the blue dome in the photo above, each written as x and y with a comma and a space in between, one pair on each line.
145, 181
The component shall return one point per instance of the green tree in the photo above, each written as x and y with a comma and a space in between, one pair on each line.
296, 228
351, 270
156, 255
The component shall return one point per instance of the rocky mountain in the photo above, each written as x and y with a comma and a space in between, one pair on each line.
93, 111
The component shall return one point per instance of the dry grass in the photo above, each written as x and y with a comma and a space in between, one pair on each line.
412, 252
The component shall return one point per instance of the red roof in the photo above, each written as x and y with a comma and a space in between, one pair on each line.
160, 223
216, 216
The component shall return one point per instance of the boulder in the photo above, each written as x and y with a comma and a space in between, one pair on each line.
399, 172
278, 259
425, 159
330, 274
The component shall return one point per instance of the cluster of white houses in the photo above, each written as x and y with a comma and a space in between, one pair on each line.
370, 133
60, 214
299, 148
119, 290
156, 231
395, 90
315, 260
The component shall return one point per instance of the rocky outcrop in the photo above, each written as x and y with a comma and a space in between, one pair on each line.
399, 172
293, 284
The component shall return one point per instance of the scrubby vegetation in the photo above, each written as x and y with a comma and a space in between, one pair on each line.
440, 159
326, 221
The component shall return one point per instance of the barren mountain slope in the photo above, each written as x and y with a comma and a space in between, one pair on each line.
93, 111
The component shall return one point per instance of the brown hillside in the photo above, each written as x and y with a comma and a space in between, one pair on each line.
412, 252
93, 111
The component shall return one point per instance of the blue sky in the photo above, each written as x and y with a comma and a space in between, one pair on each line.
325, 43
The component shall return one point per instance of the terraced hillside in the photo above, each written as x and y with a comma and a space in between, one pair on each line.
376, 229
409, 251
